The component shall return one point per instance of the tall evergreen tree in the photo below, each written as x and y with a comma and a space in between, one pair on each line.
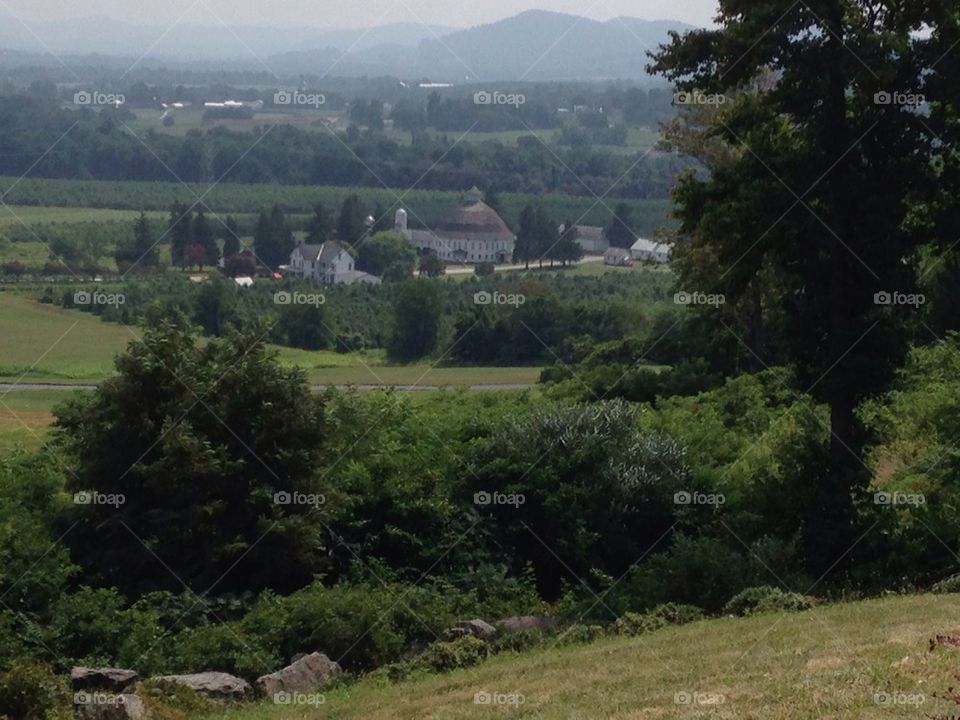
620, 231
273, 238
321, 225
203, 237
526, 245
809, 196
231, 237
351, 225
180, 231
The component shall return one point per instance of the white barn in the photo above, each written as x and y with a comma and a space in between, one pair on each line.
472, 232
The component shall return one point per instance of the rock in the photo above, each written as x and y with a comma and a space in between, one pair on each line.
106, 706
115, 679
310, 672
527, 622
216, 685
478, 628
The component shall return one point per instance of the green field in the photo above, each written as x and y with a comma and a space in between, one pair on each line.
30, 214
49, 344
861, 660
25, 417
189, 119
44, 343
427, 206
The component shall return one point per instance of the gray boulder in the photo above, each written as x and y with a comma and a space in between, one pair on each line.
115, 679
527, 622
476, 627
215, 685
105, 706
310, 672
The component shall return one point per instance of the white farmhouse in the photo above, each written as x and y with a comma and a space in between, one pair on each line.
650, 251
328, 263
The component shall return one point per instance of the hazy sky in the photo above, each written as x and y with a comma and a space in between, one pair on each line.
350, 13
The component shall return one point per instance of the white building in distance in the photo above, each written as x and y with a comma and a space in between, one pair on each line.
471, 233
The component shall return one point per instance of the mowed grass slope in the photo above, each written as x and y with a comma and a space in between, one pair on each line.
45, 343
858, 660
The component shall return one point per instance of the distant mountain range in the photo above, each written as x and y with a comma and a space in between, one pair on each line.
534, 45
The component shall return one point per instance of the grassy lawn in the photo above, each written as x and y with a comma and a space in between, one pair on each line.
44, 343
26, 415
47, 343
858, 660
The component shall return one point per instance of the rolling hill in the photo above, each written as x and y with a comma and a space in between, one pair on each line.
864, 660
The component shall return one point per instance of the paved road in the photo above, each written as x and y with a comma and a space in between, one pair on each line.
460, 270
7, 387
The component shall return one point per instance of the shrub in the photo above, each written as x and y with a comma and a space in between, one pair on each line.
173, 702
766, 599
677, 614
633, 624
225, 648
577, 634
31, 691
89, 625
516, 641
460, 653
947, 585
484, 269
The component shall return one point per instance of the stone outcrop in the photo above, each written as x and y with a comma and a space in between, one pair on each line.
215, 685
476, 627
112, 679
310, 672
527, 622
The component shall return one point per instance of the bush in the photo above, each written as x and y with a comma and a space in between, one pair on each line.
766, 599
460, 653
677, 614
516, 641
947, 585
581, 634
484, 269
31, 691
634, 624
225, 648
